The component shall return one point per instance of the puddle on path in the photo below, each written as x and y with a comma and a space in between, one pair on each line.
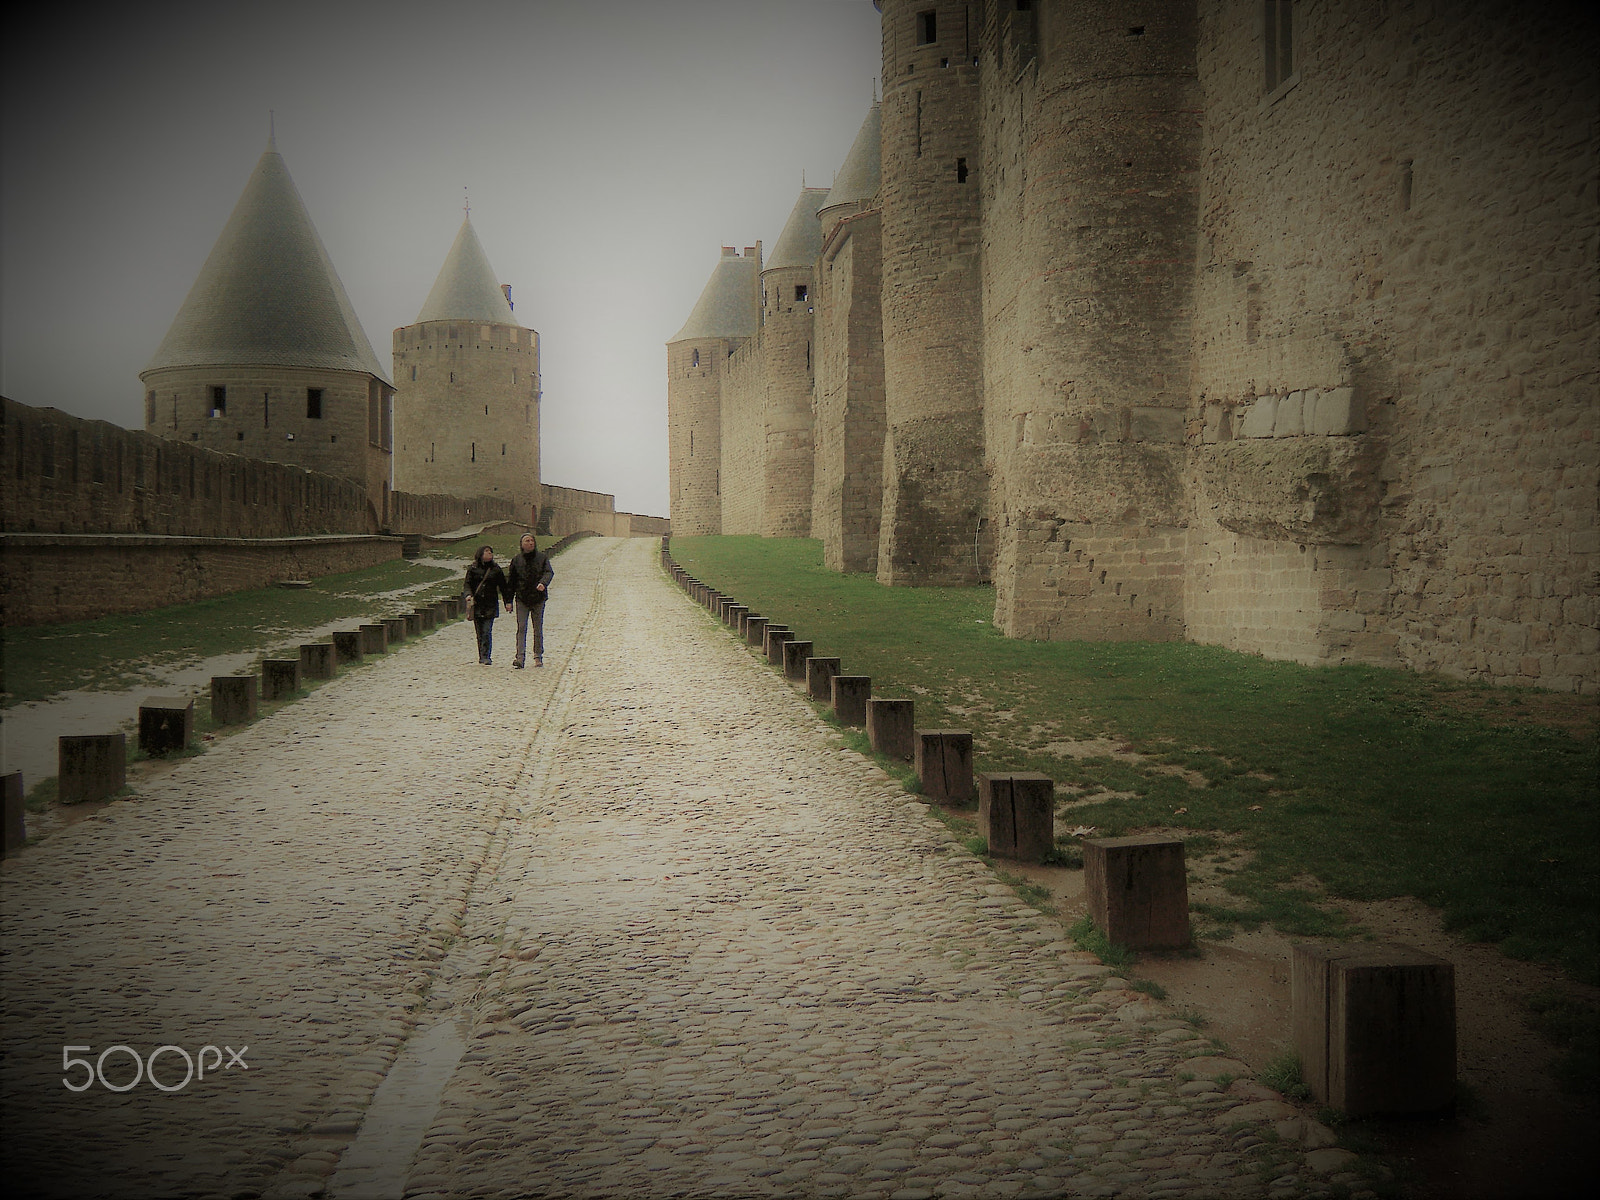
377, 1163
28, 731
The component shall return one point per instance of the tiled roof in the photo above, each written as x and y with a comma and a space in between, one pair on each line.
730, 305
268, 294
466, 289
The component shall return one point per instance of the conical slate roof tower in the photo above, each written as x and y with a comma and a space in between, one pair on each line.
858, 179
729, 305
266, 357
467, 412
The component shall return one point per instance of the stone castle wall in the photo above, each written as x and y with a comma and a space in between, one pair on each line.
695, 370
743, 440
466, 412
563, 511
787, 348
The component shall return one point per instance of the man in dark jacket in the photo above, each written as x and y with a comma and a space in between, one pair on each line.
530, 578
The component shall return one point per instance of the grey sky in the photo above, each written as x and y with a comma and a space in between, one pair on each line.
609, 149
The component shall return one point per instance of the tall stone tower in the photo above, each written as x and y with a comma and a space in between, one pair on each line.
847, 490
266, 357
727, 315
467, 411
787, 300
934, 482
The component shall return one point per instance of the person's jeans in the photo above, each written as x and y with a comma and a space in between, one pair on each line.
485, 629
524, 612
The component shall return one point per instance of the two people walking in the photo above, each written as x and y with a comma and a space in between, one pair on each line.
524, 591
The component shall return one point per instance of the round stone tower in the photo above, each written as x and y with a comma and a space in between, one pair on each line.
266, 357
727, 314
788, 285
934, 482
467, 411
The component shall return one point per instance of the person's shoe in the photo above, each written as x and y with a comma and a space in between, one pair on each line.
516, 663
538, 660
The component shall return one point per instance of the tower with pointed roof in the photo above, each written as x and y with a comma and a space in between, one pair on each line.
266, 357
466, 414
726, 316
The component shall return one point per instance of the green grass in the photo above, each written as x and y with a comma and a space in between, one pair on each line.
118, 652
1091, 938
1373, 783
1282, 1074
1574, 1026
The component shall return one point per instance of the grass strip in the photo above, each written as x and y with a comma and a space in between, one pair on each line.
1349, 782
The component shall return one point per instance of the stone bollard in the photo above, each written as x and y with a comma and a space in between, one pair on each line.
1375, 1027
776, 639
413, 624
819, 678
91, 767
280, 677
943, 759
1017, 814
735, 614
755, 629
452, 606
849, 695
890, 726
374, 638
316, 660
794, 660
425, 619
347, 646
166, 723
1138, 890
233, 699
441, 612
14, 827
395, 628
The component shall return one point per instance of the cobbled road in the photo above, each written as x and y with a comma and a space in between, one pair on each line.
634, 925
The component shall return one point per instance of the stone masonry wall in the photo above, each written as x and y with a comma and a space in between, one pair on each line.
694, 433
467, 410
744, 438
847, 487
788, 353
1394, 395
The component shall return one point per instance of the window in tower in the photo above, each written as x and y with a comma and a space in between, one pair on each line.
927, 28
800, 291
314, 403
219, 401
696, 360
413, 372
486, 410
474, 451
961, 170
1277, 43
502, 449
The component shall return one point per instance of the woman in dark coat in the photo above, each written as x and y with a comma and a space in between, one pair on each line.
486, 587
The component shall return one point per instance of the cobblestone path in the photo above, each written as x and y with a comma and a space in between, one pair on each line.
630, 925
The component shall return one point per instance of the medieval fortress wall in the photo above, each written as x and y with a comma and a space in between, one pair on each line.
1269, 325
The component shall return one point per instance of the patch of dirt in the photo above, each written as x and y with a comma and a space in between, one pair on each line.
1577, 715
1119, 751
1518, 1135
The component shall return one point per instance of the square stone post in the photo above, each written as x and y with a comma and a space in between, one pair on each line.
819, 678
1375, 1027
890, 726
166, 724
755, 629
395, 628
734, 614
425, 619
413, 623
1138, 890
943, 759
316, 660
849, 696
280, 677
794, 660
1016, 814
347, 646
92, 766
374, 638
776, 638
233, 698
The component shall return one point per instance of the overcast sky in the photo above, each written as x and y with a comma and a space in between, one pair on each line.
610, 149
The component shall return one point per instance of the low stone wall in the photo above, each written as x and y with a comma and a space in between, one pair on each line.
572, 510
63, 577
439, 514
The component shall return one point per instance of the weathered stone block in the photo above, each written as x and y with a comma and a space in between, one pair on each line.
166, 724
1138, 890
233, 699
413, 623
1290, 421
943, 759
794, 660
744, 622
1375, 1027
452, 605
819, 678
1016, 814
316, 660
90, 767
280, 677
441, 612
775, 642
849, 695
347, 646
1338, 412
395, 628
425, 619
14, 825
734, 614
374, 638
891, 725
755, 629
1259, 418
